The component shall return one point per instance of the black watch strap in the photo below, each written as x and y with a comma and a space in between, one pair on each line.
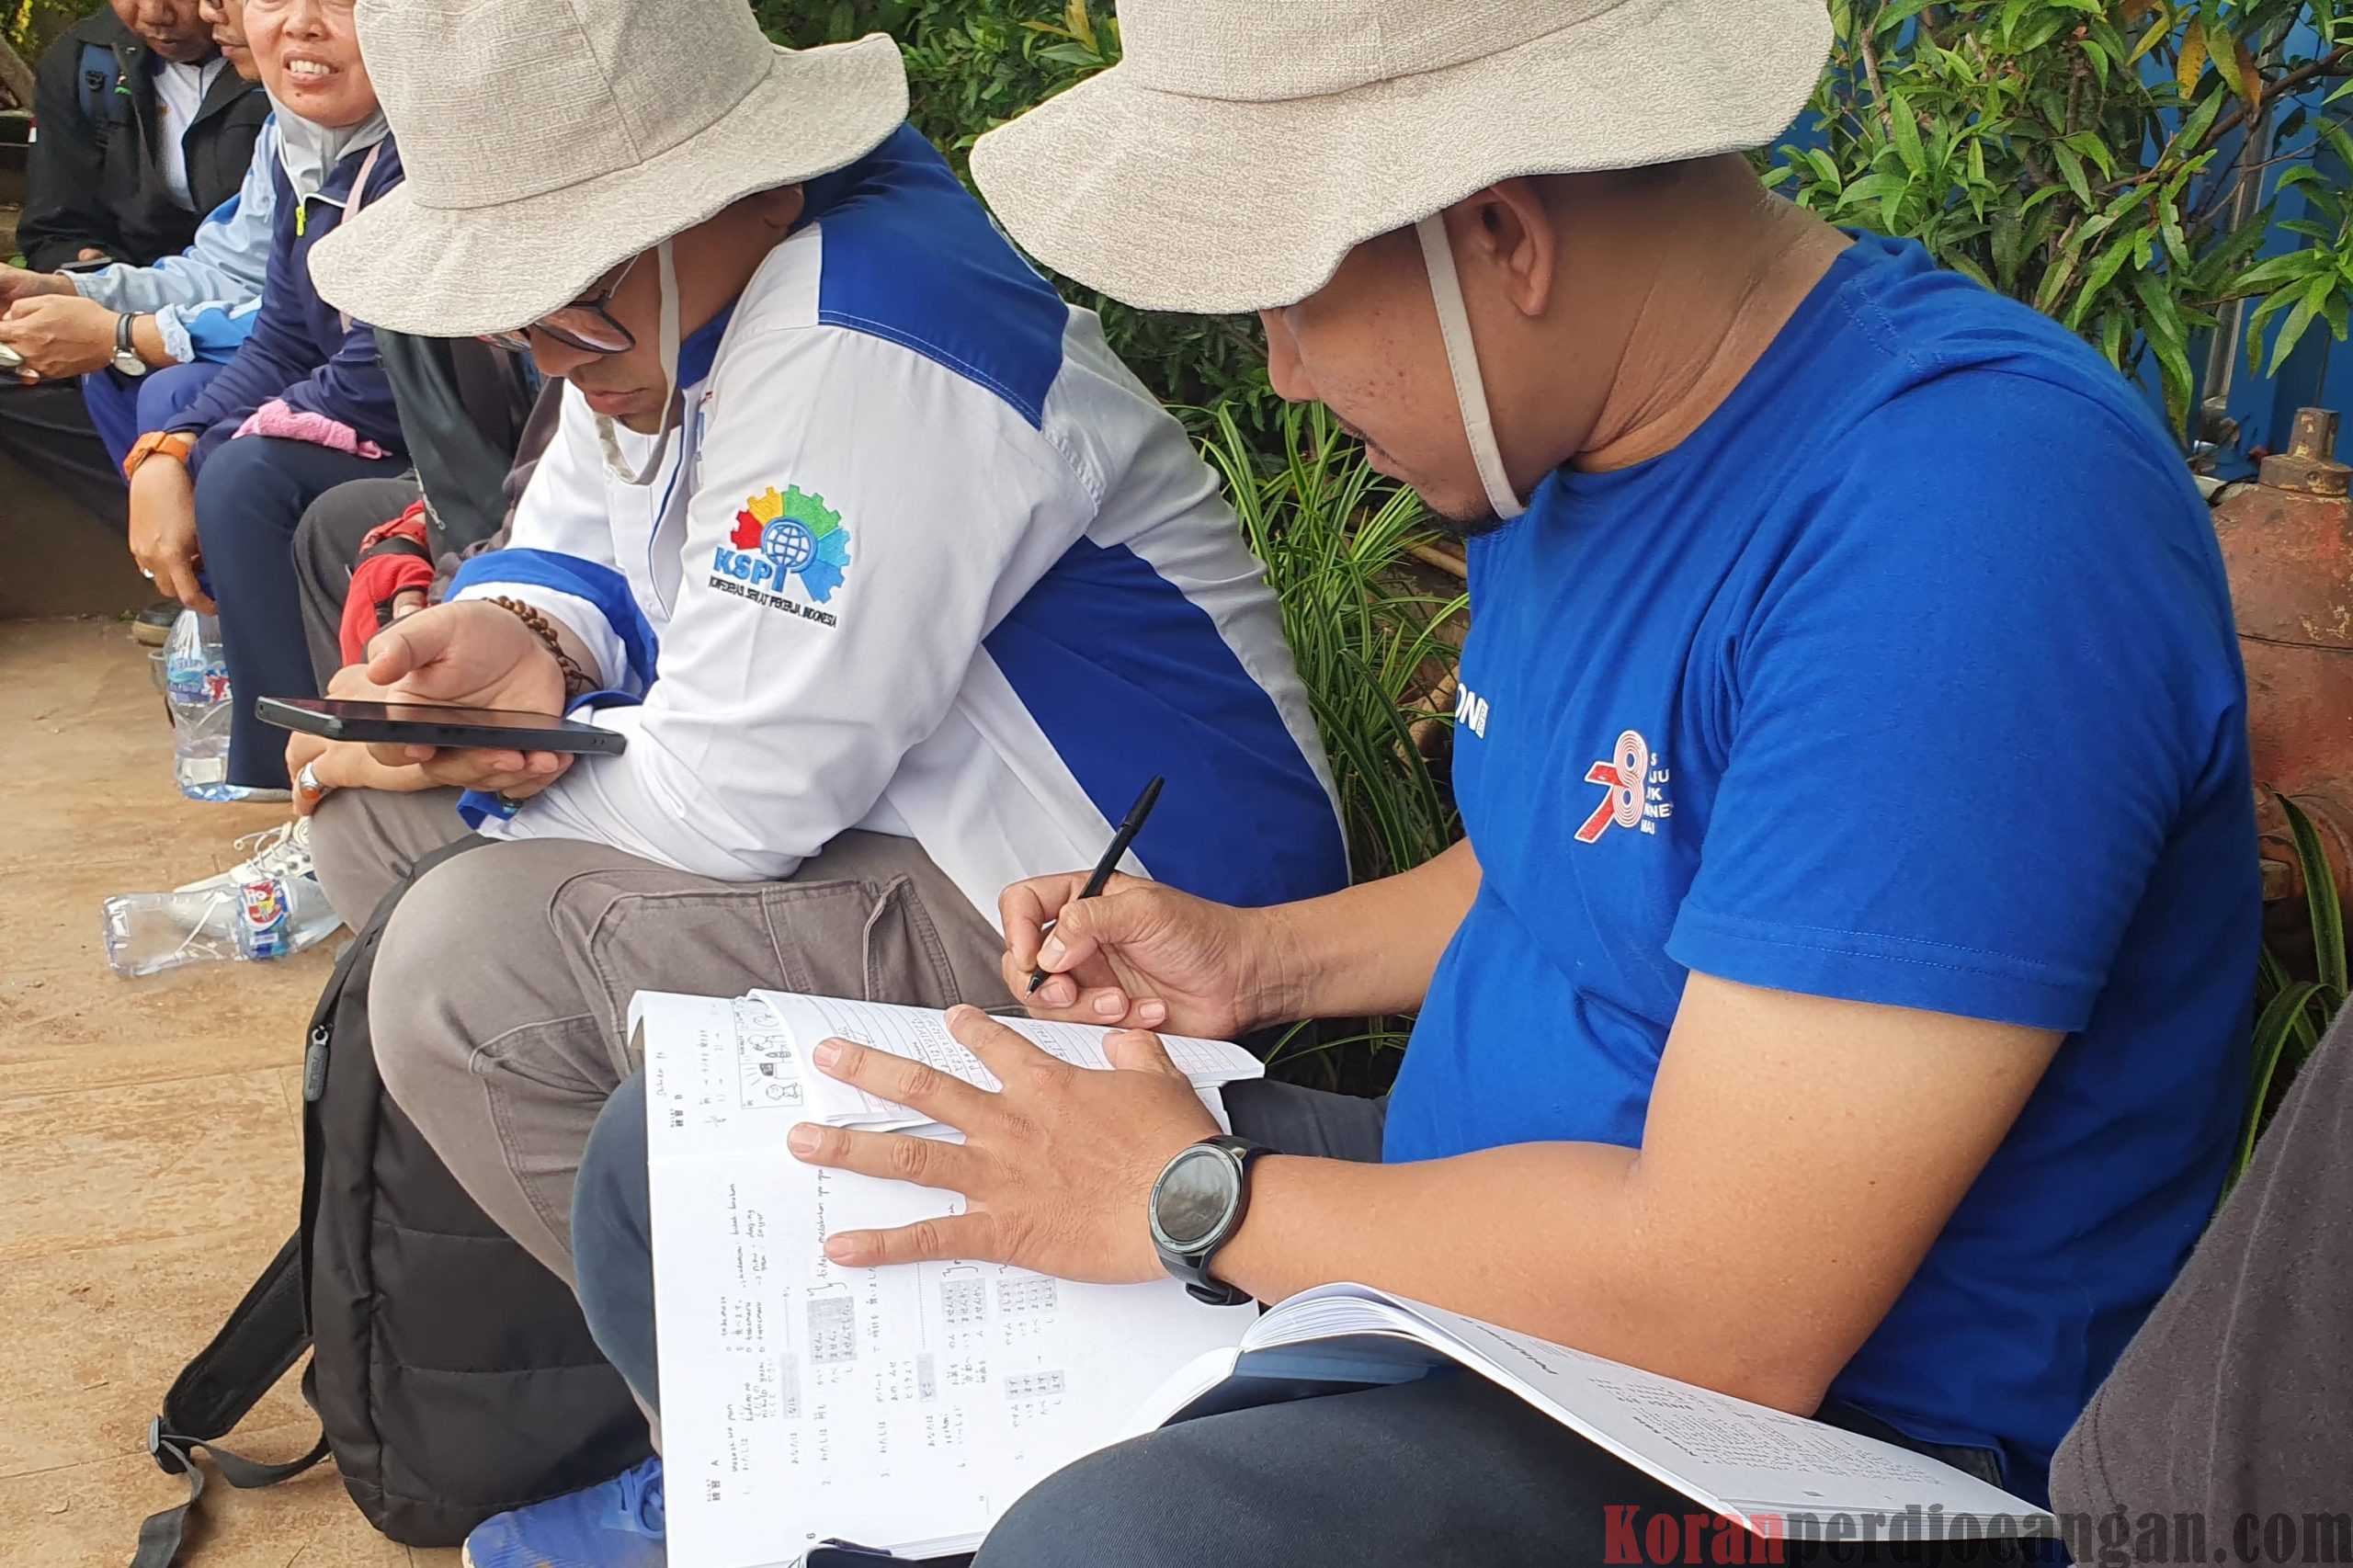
1191, 1264
122, 333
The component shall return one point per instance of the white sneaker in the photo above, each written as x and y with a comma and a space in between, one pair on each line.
281, 851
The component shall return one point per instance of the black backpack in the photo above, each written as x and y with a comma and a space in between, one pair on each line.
453, 1376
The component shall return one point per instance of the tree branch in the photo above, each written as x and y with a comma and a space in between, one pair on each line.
1226, 327
1869, 53
2329, 64
15, 76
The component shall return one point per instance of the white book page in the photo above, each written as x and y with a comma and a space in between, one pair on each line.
722, 1059
922, 1034
803, 1401
1776, 1472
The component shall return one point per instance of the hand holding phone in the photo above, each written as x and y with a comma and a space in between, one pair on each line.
468, 653
437, 725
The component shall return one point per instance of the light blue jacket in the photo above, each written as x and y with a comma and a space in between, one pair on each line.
203, 300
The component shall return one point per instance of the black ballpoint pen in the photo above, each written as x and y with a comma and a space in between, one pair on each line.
1110, 861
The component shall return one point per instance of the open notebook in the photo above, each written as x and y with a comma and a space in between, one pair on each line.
904, 1409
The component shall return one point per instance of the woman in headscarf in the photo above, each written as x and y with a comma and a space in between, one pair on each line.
302, 407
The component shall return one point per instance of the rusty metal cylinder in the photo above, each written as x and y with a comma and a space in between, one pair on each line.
2287, 543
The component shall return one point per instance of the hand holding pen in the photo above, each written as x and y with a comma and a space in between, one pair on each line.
1111, 859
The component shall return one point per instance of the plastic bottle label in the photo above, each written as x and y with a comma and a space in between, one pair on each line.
262, 907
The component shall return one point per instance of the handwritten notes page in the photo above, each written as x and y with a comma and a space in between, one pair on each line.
920, 1033
902, 1408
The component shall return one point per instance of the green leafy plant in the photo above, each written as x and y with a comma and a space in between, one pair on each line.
32, 25
1371, 640
2292, 1013
1375, 645
2087, 156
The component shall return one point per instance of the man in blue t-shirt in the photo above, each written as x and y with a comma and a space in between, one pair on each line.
1841, 998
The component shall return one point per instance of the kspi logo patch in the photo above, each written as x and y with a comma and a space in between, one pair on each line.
784, 535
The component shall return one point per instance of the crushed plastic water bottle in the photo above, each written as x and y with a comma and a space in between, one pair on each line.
146, 932
263, 907
267, 918
196, 682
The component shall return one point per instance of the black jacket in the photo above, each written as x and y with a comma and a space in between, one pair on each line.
96, 181
468, 416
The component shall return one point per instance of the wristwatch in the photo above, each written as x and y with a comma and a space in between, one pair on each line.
126, 359
171, 443
1196, 1205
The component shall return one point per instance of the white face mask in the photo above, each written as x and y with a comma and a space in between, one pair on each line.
1463, 359
614, 462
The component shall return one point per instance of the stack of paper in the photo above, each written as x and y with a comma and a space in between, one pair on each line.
901, 1407
923, 1035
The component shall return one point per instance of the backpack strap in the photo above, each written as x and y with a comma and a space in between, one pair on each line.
100, 75
263, 1335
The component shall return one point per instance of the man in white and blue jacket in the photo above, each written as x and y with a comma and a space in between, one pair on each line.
899, 585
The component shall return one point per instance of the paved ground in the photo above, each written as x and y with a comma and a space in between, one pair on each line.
149, 1150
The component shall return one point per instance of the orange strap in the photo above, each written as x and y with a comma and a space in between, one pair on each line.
178, 443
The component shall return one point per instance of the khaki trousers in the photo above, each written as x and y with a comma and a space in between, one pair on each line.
501, 993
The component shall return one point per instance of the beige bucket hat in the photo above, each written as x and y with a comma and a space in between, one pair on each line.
1241, 148
547, 141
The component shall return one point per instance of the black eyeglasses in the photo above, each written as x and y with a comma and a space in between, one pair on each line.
585, 324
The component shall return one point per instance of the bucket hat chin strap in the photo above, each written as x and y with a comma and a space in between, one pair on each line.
1463, 360
614, 462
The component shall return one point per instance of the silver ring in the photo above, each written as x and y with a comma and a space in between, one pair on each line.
307, 780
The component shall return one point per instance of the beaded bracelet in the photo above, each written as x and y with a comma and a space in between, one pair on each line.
576, 683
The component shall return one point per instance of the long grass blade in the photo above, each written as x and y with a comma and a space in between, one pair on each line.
2282, 1018
1373, 645
2320, 893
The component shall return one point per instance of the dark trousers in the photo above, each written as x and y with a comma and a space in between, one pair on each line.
326, 547
47, 429
75, 433
250, 494
1447, 1470
123, 408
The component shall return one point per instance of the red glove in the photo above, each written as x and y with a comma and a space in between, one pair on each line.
394, 559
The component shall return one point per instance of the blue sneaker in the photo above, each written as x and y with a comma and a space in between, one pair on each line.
617, 1524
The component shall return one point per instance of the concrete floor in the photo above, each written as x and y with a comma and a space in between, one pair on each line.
150, 1139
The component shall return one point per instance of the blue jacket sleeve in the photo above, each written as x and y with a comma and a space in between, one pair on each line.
212, 335
291, 352
276, 353
216, 281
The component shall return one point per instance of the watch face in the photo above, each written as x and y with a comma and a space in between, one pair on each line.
1197, 1193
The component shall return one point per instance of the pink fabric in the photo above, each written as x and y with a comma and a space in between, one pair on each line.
275, 418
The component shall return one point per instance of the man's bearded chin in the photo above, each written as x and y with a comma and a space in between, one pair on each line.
1463, 530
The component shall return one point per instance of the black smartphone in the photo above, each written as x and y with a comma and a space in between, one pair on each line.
435, 724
